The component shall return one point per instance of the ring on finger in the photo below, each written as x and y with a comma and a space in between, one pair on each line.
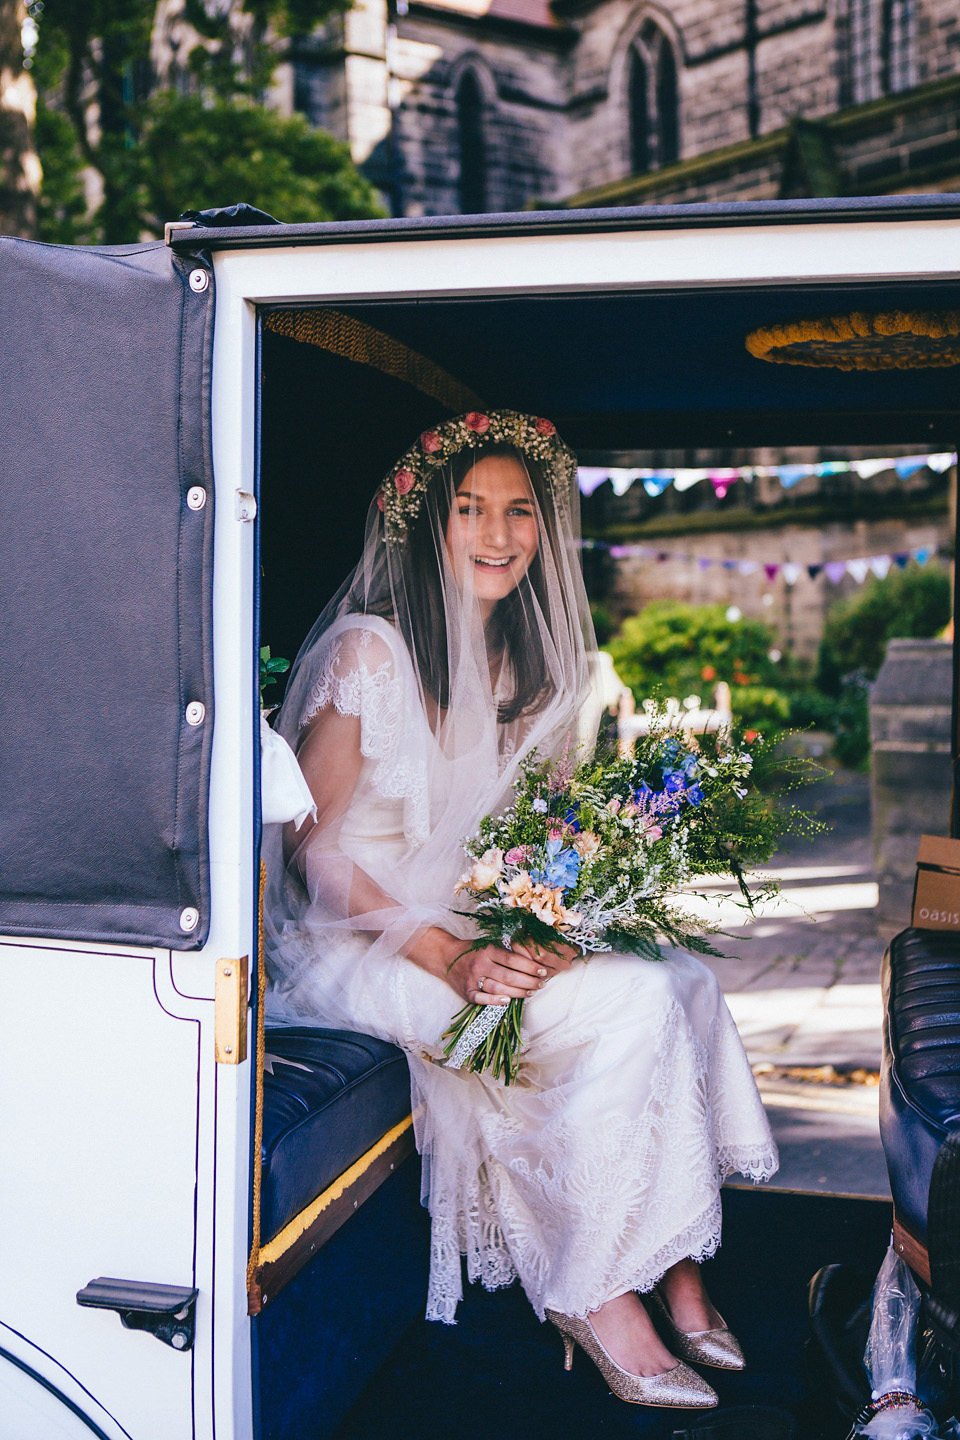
480, 983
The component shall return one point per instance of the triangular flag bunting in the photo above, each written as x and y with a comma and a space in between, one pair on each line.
790, 474
859, 569
591, 477
683, 479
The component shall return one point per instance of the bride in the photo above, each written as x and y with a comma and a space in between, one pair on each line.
458, 646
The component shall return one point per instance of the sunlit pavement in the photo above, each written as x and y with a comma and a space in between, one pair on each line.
802, 983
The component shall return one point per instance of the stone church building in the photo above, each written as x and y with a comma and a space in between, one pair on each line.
479, 105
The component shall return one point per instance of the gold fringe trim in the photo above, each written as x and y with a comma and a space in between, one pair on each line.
351, 339
890, 340
292, 1231
254, 1259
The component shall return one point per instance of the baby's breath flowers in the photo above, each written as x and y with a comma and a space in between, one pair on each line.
591, 855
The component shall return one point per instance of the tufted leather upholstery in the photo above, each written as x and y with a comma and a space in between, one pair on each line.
920, 1082
330, 1096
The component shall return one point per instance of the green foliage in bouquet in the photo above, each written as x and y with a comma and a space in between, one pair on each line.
596, 855
271, 668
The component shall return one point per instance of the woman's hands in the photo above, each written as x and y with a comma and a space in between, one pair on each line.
493, 975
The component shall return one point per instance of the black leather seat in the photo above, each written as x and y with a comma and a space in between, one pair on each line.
920, 1083
328, 1095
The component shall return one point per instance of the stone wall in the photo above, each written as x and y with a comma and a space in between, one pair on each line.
555, 85
795, 612
910, 770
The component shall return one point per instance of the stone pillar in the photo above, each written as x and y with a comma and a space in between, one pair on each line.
910, 769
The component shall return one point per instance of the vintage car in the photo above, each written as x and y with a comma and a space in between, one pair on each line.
215, 1232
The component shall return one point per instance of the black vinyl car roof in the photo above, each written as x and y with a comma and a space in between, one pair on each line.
225, 236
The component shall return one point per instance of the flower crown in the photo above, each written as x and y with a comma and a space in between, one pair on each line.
404, 486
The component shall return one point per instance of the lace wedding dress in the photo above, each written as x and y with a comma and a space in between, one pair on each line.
601, 1167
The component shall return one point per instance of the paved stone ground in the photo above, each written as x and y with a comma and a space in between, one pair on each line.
802, 983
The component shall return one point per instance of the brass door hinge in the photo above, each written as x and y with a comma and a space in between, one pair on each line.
230, 1011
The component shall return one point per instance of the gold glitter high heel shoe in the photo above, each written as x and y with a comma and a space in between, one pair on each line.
679, 1388
718, 1347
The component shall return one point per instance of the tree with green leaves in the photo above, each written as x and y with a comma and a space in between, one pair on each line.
913, 602
19, 168
125, 149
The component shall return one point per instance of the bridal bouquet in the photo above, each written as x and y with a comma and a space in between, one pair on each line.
596, 854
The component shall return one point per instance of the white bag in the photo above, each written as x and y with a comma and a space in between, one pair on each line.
284, 793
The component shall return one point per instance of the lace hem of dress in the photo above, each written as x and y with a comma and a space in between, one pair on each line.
590, 1185
753, 1164
376, 697
489, 1263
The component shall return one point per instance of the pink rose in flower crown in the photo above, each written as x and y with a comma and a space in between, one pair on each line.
476, 422
519, 855
404, 481
430, 442
545, 427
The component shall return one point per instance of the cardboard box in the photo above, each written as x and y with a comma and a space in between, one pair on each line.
936, 893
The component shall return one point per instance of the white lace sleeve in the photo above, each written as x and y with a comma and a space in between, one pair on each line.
366, 673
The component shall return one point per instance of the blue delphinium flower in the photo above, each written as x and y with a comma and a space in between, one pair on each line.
571, 817
694, 794
562, 868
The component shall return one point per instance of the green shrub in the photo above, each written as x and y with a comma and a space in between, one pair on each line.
810, 709
603, 622
851, 726
845, 716
672, 648
914, 602
761, 707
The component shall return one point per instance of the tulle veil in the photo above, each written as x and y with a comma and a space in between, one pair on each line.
410, 719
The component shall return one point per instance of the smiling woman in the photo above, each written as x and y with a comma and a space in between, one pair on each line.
455, 651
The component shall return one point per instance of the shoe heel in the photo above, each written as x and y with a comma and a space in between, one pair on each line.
568, 1347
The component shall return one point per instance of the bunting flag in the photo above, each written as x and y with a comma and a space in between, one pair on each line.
858, 567
655, 482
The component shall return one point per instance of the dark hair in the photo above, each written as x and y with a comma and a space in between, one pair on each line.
511, 630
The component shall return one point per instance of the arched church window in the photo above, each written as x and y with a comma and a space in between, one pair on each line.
863, 42
667, 127
899, 45
881, 48
653, 100
472, 145
639, 99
